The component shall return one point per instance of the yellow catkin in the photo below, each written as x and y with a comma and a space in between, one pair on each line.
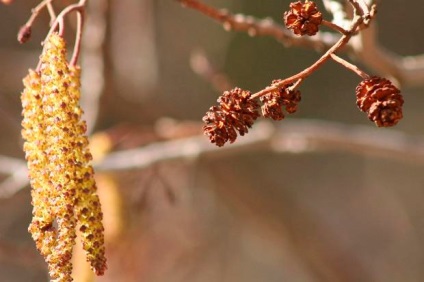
41, 226
88, 207
59, 122
62, 179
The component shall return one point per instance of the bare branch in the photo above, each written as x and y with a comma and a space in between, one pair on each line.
9, 165
262, 27
293, 136
408, 71
17, 179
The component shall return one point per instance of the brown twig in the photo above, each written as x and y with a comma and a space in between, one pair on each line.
36, 11
261, 27
52, 13
350, 66
408, 70
77, 47
243, 23
59, 24
334, 27
356, 22
24, 33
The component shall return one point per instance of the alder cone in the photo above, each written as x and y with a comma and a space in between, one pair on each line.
235, 112
381, 100
274, 102
303, 18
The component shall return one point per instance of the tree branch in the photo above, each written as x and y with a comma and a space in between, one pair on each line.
293, 136
262, 27
408, 71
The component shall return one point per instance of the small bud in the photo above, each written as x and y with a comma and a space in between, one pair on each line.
24, 34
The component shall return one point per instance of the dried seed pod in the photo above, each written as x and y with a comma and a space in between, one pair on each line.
381, 100
235, 112
303, 18
273, 102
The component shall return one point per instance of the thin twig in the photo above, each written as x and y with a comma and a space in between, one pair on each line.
78, 37
59, 24
231, 22
350, 66
36, 11
335, 27
261, 27
408, 70
52, 13
308, 71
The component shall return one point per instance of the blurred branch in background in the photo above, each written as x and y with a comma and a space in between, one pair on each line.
202, 66
17, 176
293, 136
93, 60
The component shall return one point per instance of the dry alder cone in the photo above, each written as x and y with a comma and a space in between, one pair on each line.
274, 102
303, 18
381, 100
62, 179
235, 112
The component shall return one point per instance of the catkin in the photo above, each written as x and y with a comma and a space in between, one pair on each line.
62, 179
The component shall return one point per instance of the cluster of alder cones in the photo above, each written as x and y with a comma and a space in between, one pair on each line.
237, 109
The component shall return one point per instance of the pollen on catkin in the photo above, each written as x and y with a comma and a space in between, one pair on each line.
88, 209
41, 227
61, 177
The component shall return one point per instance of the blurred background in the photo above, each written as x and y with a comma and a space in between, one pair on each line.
250, 215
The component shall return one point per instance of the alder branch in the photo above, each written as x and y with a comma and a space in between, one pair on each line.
262, 27
293, 136
408, 71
